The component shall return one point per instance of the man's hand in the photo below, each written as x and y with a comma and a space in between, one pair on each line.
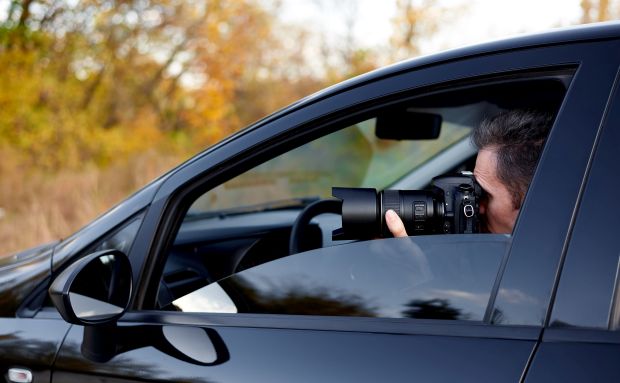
395, 224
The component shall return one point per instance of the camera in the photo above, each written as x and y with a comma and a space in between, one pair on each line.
449, 206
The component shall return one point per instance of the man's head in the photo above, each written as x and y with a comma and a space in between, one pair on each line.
509, 147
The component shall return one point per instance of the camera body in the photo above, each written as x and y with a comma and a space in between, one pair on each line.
450, 206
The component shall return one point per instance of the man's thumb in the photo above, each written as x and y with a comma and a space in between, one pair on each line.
395, 224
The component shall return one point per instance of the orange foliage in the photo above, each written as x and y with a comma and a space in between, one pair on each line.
99, 96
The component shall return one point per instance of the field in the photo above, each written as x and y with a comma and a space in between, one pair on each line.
37, 207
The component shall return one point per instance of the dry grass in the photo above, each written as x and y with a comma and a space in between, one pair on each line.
38, 207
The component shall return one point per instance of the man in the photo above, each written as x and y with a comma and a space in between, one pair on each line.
509, 146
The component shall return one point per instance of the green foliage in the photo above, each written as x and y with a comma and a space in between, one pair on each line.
97, 81
121, 78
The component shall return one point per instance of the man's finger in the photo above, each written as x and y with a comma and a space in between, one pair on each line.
395, 224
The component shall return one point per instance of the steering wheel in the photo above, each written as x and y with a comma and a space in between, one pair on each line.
303, 220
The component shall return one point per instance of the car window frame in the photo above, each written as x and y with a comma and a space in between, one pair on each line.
288, 130
555, 171
581, 288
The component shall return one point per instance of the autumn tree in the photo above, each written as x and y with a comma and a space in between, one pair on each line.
304, 59
414, 19
599, 10
98, 80
95, 94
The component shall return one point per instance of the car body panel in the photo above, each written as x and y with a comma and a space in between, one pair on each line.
21, 274
576, 355
582, 342
285, 355
586, 294
31, 343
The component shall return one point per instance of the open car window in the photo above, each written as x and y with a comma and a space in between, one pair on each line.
351, 157
231, 252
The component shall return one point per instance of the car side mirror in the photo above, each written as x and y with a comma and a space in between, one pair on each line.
94, 290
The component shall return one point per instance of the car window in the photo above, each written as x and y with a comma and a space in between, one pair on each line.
231, 252
121, 239
352, 157
426, 277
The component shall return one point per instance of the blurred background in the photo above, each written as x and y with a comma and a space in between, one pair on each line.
98, 97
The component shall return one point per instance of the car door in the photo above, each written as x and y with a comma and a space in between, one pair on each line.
27, 346
486, 307
581, 341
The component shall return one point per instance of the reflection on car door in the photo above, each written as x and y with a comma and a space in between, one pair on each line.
363, 296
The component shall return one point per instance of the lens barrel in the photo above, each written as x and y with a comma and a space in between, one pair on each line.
450, 206
363, 211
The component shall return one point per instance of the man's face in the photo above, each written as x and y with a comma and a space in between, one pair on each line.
496, 209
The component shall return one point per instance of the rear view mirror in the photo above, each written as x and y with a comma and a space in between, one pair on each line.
93, 290
404, 124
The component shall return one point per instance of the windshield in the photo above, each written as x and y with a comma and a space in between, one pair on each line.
351, 157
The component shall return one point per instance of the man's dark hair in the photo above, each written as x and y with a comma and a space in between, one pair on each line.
517, 136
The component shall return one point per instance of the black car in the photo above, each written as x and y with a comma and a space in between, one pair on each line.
224, 270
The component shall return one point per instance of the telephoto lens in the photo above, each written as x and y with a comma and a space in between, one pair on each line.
451, 205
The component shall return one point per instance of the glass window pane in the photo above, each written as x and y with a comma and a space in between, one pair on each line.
426, 277
122, 239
